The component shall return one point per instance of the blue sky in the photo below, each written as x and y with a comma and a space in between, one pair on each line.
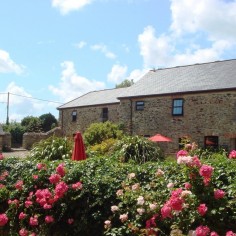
57, 50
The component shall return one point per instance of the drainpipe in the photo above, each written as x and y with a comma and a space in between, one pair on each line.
131, 116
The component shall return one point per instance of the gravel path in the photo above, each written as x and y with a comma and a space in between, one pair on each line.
16, 153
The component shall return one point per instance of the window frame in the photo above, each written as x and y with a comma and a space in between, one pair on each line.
105, 114
74, 115
139, 105
177, 107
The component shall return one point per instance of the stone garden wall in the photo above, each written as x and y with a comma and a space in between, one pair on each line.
31, 138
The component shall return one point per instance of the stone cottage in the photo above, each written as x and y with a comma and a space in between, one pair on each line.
195, 101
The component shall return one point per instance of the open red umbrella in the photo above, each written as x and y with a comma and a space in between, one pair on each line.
79, 149
160, 138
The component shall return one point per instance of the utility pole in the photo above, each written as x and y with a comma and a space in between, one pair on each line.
7, 122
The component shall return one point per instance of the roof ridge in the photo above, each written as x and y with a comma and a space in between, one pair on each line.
196, 64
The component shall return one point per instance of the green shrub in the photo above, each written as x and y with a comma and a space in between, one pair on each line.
138, 149
53, 148
99, 132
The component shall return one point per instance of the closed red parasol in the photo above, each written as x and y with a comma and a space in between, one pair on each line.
160, 138
79, 149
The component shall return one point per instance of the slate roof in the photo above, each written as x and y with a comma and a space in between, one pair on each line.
101, 97
217, 75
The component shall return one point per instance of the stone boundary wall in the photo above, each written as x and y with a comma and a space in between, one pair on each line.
29, 139
5, 141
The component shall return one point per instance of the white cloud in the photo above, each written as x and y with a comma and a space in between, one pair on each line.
117, 74
21, 104
136, 74
103, 48
7, 65
216, 18
81, 44
73, 85
66, 6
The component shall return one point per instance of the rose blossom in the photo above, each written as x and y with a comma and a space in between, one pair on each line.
3, 219
218, 194
213, 233
49, 219
123, 217
131, 175
232, 154
34, 221
140, 200
202, 231
19, 184
54, 178
23, 232
107, 224
181, 153
206, 171
77, 185
135, 187
114, 208
28, 204
230, 233
61, 189
187, 185
202, 209
170, 185
152, 206
41, 166
160, 173
140, 211
61, 169
166, 211
22, 216
2, 185
119, 192
1, 156
70, 221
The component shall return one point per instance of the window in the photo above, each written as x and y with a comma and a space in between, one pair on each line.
177, 107
211, 142
139, 106
104, 114
74, 115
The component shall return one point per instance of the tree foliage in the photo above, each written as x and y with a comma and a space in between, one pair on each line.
48, 121
125, 83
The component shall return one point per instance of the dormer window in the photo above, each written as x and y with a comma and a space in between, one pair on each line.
74, 116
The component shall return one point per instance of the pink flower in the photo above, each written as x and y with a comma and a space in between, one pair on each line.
202, 231
123, 217
49, 219
176, 203
114, 208
232, 154
170, 185
131, 175
202, 209
3, 219
19, 184
61, 169
23, 232
47, 206
70, 221
2, 186
54, 178
13, 202
135, 187
119, 192
213, 233
152, 206
28, 204
35, 177
160, 173
61, 189
41, 166
22, 216
107, 224
140, 200
1, 156
166, 211
218, 194
230, 233
181, 153
34, 221
206, 171
77, 185
187, 185
140, 211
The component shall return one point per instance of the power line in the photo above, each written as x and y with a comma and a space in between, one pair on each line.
44, 100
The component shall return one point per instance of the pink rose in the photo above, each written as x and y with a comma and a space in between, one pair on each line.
202, 209
123, 217
187, 185
230, 233
23, 232
77, 185
218, 194
70, 221
202, 231
232, 154
61, 189
107, 224
166, 211
206, 171
41, 166
61, 169
22, 216
1, 156
170, 185
3, 219
114, 208
49, 219
181, 153
54, 178
28, 204
19, 184
34, 221
213, 233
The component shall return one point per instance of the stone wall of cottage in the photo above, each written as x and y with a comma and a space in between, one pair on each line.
29, 139
209, 114
85, 117
5, 141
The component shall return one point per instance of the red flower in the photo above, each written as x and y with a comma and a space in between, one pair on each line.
49, 219
19, 184
232, 154
61, 169
218, 194
34, 221
22, 216
1, 156
202, 209
3, 219
61, 189
23, 232
54, 178
77, 185
202, 231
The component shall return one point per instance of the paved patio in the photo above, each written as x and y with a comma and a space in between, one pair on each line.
16, 152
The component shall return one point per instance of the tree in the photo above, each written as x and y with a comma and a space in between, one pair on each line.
32, 124
48, 121
125, 83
